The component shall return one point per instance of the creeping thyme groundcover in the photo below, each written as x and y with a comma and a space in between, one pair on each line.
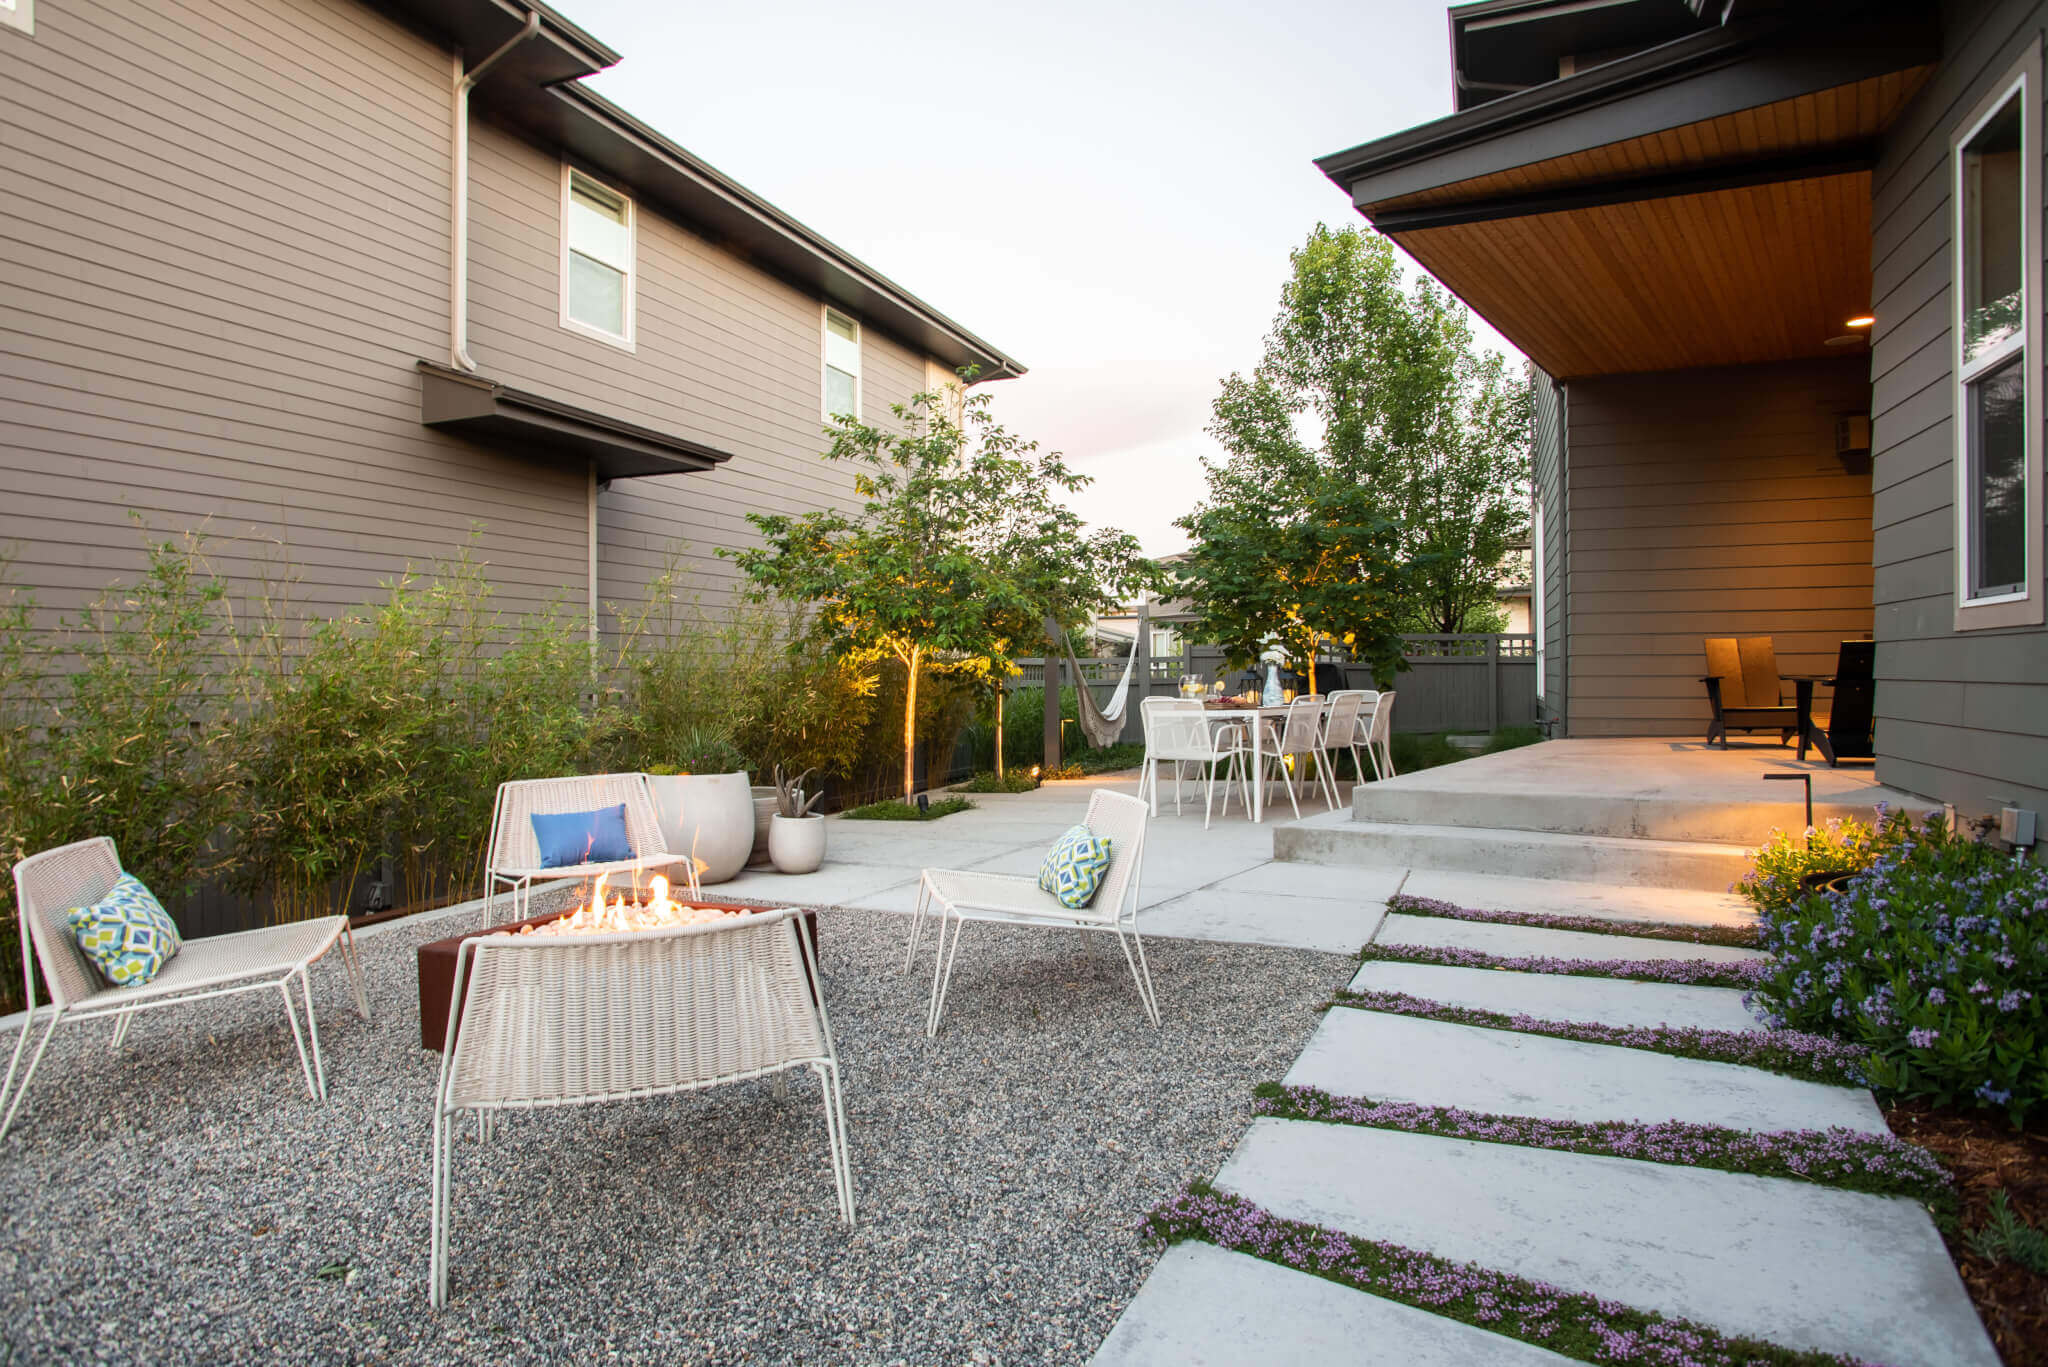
1742, 936
1686, 972
1572, 1323
1935, 959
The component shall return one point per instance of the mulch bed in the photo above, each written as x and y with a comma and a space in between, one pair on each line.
1986, 1153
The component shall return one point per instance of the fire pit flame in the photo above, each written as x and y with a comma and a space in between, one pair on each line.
625, 914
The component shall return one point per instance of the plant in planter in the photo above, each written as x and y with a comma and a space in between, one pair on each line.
796, 835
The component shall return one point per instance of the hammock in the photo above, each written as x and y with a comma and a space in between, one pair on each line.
1102, 725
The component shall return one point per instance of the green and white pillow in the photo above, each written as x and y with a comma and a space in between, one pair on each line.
1075, 867
127, 934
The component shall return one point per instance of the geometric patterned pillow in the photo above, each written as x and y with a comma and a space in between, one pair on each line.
1074, 868
127, 934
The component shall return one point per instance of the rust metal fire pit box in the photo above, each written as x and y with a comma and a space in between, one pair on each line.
437, 966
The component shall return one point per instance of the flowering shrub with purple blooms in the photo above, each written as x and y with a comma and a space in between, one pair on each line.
1935, 960
1816, 1058
1569, 1322
1880, 1164
1742, 937
1841, 846
1690, 972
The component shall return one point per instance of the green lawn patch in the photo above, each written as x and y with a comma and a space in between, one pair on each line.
895, 809
1016, 781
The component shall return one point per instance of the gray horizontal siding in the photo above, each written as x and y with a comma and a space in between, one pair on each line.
1961, 715
1708, 503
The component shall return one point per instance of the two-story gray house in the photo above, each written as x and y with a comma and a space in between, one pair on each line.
338, 281
1781, 268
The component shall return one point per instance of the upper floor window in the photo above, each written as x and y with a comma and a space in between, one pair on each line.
842, 366
1997, 360
597, 259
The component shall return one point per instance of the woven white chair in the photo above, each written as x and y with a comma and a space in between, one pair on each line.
1301, 740
1380, 741
1182, 731
1344, 723
563, 1020
955, 895
48, 885
513, 860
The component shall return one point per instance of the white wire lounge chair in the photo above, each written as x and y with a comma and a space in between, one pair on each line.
1302, 740
514, 861
1182, 731
565, 1020
955, 895
1379, 743
1341, 726
48, 885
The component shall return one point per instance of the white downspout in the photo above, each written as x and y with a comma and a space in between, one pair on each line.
458, 217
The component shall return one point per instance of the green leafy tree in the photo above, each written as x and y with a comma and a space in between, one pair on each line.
1372, 408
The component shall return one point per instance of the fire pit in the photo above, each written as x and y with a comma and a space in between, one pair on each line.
622, 914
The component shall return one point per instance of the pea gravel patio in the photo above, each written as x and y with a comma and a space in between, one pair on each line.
182, 1201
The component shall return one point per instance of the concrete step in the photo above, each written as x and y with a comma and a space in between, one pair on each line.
1434, 1063
1803, 1265
1205, 1306
1335, 838
1488, 937
1563, 897
1550, 996
1637, 817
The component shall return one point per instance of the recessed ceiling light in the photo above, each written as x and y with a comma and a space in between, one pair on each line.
1861, 321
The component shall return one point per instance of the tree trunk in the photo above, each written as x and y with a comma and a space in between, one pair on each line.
910, 726
1001, 689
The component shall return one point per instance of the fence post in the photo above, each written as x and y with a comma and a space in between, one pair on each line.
1492, 684
1141, 669
1052, 695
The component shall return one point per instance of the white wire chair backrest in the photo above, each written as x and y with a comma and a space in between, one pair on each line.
513, 843
1340, 722
46, 887
1383, 719
1181, 729
1304, 730
1120, 819
1147, 708
556, 1020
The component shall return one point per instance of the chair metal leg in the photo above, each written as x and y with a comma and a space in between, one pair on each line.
1141, 974
21, 1091
931, 1012
284, 990
353, 964
924, 892
313, 1029
942, 981
120, 1035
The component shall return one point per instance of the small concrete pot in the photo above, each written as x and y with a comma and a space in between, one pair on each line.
796, 844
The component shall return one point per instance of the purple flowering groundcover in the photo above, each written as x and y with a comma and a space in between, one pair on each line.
1740, 937
1686, 972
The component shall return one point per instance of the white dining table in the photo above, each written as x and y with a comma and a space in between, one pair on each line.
1256, 718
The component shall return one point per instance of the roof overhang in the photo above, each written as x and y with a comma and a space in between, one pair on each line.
1706, 202
533, 90
531, 424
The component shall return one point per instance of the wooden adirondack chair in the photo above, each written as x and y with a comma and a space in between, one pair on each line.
1744, 688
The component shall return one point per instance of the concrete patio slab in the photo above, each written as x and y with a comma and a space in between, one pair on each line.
1558, 897
1337, 927
834, 885
1338, 839
1747, 1255
1608, 1001
1344, 882
1204, 1306
1434, 1063
1563, 944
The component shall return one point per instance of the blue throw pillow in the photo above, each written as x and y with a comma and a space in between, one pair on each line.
571, 838
1074, 868
127, 934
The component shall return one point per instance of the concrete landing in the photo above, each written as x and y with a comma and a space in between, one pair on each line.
1434, 1063
1607, 1001
1642, 788
1336, 838
1206, 1307
1557, 897
1440, 932
1334, 925
1747, 1255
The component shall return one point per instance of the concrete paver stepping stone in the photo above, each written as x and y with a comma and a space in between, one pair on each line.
1608, 1001
1435, 1063
1560, 944
1336, 927
1558, 897
1341, 881
1205, 1306
1802, 1265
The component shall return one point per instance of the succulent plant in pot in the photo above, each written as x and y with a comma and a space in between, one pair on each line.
796, 835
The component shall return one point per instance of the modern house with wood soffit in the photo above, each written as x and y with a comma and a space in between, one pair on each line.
1780, 269
339, 282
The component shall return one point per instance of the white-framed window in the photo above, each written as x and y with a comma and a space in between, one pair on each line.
842, 365
19, 14
1997, 354
597, 259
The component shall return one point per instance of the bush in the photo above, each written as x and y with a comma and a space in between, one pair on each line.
896, 809
1839, 847
1935, 958
1016, 781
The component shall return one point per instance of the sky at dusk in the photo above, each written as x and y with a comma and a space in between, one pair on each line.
1106, 193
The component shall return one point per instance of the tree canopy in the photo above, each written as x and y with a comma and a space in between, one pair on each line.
1377, 464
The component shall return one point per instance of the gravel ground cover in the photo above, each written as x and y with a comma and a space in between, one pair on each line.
183, 1201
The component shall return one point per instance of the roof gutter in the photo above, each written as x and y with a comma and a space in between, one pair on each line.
458, 216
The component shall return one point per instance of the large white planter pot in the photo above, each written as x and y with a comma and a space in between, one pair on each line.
796, 844
764, 807
708, 815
